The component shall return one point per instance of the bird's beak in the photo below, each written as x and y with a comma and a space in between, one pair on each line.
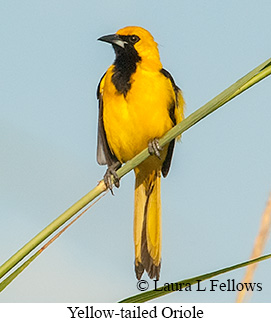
113, 39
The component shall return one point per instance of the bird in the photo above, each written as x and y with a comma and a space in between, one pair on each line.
138, 103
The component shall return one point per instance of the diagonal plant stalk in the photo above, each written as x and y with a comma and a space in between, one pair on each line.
164, 290
258, 248
237, 88
15, 273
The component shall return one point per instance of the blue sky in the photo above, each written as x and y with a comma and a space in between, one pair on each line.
219, 182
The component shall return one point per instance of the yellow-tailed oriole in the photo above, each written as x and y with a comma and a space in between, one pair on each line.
138, 102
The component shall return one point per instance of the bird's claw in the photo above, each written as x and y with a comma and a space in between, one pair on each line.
154, 148
111, 178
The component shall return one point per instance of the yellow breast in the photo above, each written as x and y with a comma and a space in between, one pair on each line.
133, 120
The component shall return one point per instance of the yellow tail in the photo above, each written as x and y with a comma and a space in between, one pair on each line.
147, 220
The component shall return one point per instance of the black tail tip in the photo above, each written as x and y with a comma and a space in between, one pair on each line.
152, 270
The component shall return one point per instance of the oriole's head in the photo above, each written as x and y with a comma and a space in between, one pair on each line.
135, 41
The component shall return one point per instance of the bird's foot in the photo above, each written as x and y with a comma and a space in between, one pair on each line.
111, 178
154, 148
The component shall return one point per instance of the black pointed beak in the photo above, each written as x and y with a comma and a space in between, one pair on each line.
113, 39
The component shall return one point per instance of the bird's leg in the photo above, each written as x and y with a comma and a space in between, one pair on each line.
111, 171
154, 148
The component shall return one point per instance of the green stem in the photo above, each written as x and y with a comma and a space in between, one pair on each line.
164, 290
52, 227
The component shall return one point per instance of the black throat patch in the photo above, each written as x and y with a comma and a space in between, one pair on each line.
124, 67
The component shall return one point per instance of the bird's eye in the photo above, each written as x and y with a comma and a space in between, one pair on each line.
134, 39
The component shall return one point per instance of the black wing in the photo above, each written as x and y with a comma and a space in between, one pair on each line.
104, 154
167, 161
